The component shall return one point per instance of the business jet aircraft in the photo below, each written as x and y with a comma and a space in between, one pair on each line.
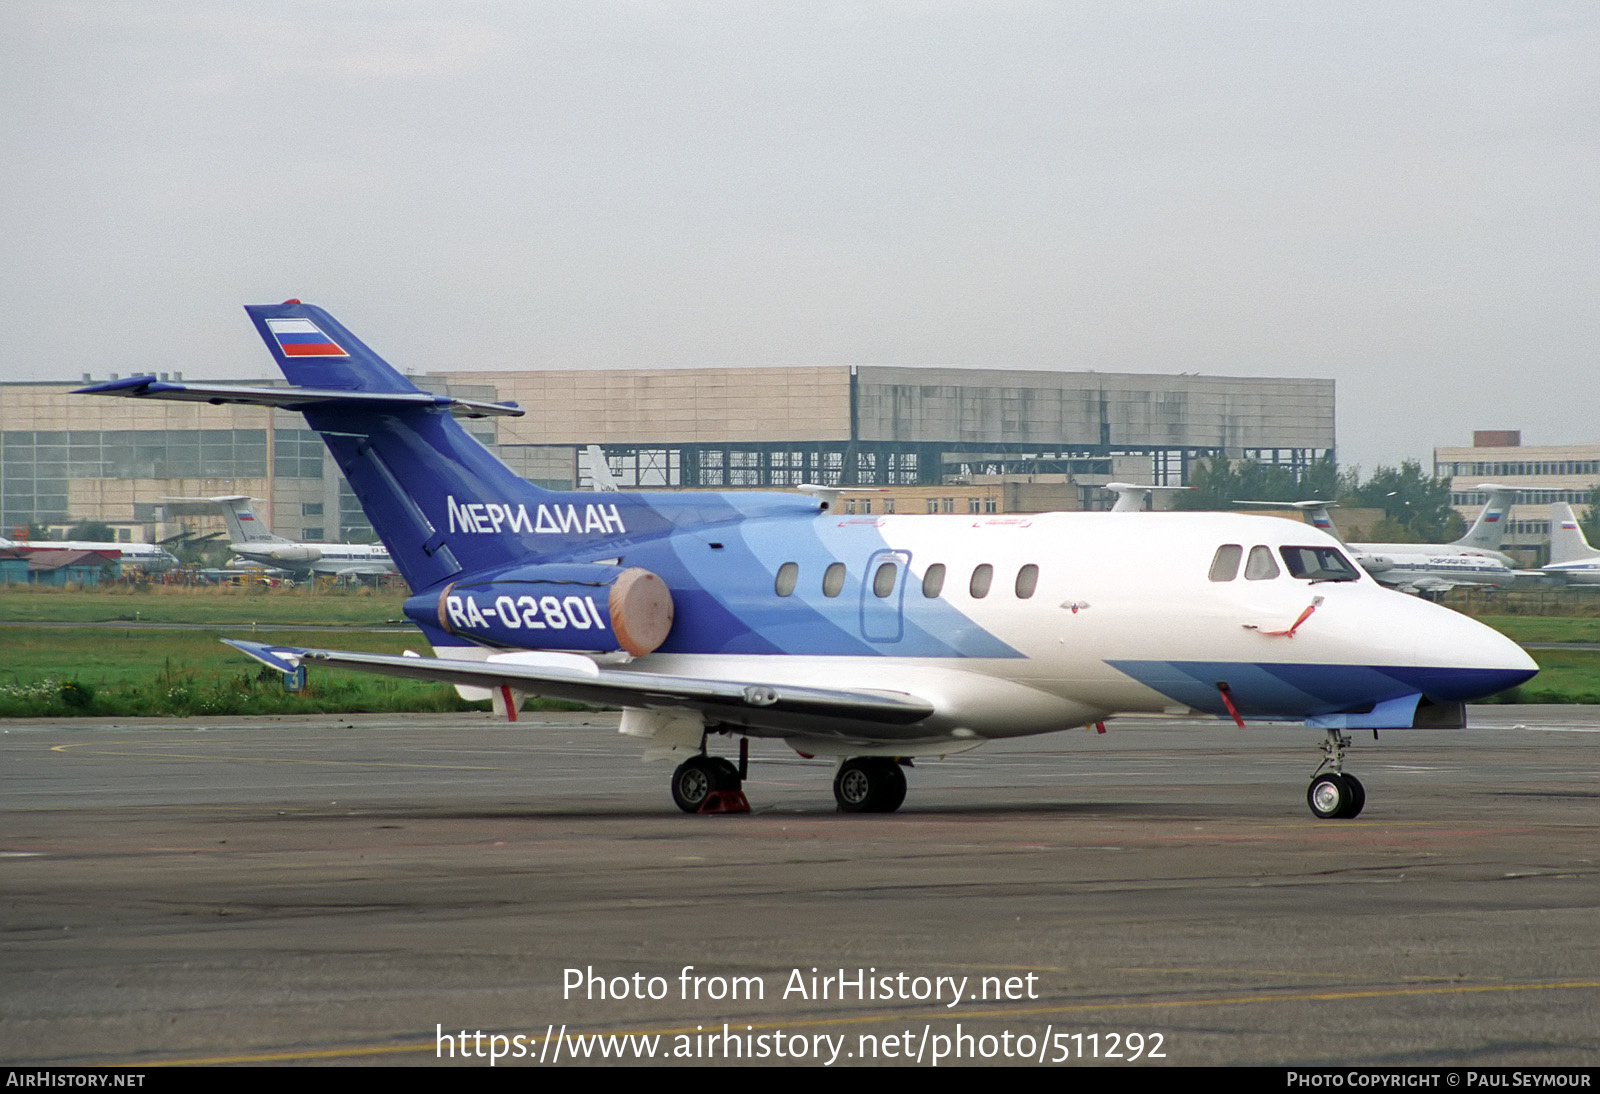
872, 639
1571, 558
151, 557
253, 542
1474, 559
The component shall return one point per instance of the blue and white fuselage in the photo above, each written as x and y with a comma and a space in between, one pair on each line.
1121, 616
770, 615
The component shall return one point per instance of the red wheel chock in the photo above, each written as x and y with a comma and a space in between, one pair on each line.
725, 801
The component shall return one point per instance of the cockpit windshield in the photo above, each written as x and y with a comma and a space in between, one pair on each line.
1318, 564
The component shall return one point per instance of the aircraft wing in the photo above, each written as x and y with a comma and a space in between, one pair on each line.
782, 708
1435, 584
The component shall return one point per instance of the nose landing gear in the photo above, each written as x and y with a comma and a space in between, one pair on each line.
1333, 794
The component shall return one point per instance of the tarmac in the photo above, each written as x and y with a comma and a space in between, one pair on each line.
437, 889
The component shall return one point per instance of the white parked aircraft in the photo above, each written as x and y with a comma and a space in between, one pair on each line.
151, 557
1483, 539
600, 471
1474, 559
255, 544
873, 639
1571, 558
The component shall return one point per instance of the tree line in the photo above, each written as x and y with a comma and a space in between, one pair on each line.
1416, 506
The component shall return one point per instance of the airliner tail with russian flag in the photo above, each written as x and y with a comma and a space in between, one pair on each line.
1488, 532
1571, 557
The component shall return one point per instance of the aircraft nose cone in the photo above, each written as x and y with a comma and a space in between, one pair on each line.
1475, 661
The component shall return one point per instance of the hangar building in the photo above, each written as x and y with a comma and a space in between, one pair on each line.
65, 458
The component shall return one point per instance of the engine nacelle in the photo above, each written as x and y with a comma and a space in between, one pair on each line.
555, 606
295, 552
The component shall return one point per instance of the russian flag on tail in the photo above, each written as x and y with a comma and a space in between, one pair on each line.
301, 338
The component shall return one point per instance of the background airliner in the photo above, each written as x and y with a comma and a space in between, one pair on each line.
151, 557
253, 542
1474, 559
870, 639
1571, 558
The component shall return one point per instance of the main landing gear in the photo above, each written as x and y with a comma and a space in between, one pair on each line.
869, 784
699, 777
711, 784
1333, 794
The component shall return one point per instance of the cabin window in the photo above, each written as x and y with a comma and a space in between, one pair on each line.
1260, 567
1225, 566
982, 578
833, 579
1318, 564
788, 574
1027, 581
883, 580
933, 581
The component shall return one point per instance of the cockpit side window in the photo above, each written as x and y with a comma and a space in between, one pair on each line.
1319, 564
1260, 567
1225, 566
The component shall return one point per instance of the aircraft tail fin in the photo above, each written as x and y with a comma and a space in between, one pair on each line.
439, 500
315, 350
236, 512
1567, 541
600, 471
243, 524
1489, 530
1314, 512
1131, 495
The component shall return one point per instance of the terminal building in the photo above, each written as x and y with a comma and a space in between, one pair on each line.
921, 439
1542, 474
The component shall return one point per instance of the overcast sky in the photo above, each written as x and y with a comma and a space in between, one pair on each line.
1400, 196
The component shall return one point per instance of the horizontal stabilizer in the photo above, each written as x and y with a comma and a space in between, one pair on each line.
292, 398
